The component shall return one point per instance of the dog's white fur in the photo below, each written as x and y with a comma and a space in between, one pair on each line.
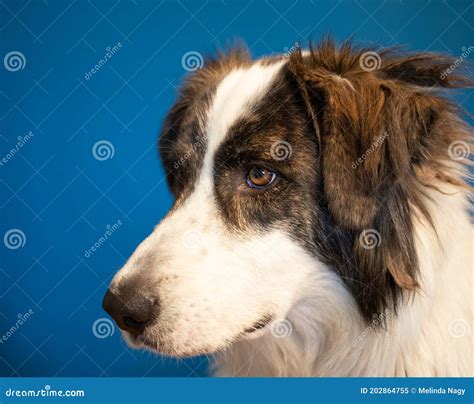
213, 284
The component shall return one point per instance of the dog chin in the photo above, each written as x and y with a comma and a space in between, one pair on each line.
141, 342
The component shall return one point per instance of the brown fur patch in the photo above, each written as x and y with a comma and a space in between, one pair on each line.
386, 189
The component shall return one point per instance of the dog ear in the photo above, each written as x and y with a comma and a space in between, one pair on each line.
375, 135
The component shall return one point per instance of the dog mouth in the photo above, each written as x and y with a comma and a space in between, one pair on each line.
142, 342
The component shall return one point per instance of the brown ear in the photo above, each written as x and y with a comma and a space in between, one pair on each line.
376, 131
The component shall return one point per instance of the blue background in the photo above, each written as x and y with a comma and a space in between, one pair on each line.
62, 198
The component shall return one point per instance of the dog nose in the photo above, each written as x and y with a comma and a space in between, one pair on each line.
131, 313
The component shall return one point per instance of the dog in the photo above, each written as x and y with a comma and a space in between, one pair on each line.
321, 219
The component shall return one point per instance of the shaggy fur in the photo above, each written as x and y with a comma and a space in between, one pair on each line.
355, 261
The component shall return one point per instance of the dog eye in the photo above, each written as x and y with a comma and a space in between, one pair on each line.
259, 177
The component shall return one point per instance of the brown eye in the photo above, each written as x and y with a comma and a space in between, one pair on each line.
259, 177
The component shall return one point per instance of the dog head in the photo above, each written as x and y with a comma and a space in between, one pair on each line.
284, 169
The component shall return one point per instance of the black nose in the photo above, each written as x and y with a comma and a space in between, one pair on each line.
131, 312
